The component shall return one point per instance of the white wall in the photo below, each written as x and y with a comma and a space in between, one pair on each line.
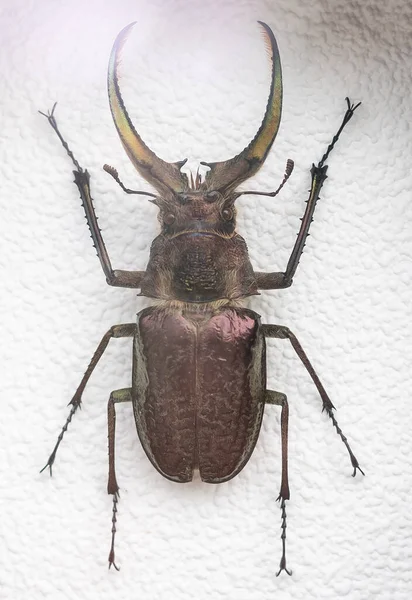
195, 79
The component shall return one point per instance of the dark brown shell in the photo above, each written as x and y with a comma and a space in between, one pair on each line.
198, 390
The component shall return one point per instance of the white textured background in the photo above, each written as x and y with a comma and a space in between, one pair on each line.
195, 79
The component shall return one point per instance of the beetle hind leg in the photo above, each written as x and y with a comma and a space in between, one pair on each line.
123, 395
284, 494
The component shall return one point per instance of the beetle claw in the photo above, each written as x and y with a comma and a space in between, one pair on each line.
111, 561
50, 116
356, 466
282, 566
49, 464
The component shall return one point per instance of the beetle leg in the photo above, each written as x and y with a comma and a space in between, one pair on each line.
279, 331
123, 395
281, 400
284, 494
270, 281
130, 279
117, 331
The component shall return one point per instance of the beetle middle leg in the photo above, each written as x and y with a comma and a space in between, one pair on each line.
282, 332
117, 331
123, 395
284, 494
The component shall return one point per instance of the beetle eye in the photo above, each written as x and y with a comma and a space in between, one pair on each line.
211, 196
183, 199
169, 218
227, 214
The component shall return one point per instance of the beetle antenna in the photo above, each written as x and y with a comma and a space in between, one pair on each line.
113, 172
288, 172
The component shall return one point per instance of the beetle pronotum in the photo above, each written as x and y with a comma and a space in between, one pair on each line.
199, 366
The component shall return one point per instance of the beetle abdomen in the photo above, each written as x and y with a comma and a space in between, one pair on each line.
198, 387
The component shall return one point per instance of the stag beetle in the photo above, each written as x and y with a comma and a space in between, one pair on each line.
199, 364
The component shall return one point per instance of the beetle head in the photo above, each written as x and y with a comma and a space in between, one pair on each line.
197, 211
210, 201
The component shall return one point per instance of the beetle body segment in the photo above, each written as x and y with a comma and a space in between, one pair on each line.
199, 381
199, 267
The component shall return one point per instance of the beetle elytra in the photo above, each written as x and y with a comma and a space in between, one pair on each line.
199, 364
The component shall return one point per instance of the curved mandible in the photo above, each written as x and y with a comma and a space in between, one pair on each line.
162, 175
229, 174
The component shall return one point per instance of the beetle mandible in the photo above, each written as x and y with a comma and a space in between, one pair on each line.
199, 365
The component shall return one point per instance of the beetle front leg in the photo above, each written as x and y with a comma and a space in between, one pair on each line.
284, 494
129, 279
123, 395
279, 331
270, 281
117, 331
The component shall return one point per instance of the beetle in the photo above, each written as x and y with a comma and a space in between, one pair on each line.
199, 363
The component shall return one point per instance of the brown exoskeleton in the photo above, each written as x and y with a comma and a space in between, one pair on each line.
199, 367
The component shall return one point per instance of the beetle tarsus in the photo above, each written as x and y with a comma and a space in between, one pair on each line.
282, 564
52, 120
114, 512
347, 117
353, 458
52, 456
